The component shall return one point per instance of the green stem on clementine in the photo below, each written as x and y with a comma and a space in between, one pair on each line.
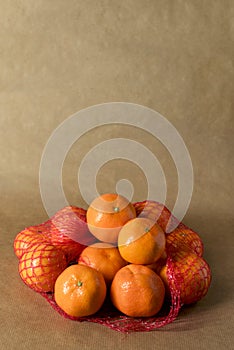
79, 283
116, 209
147, 229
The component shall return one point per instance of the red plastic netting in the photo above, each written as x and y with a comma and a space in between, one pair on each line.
112, 318
41, 265
45, 250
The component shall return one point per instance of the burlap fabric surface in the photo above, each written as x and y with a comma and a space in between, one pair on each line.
173, 56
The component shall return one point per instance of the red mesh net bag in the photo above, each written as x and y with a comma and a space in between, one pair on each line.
69, 231
178, 235
45, 250
40, 266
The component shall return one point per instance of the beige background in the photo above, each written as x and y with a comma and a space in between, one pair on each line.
57, 57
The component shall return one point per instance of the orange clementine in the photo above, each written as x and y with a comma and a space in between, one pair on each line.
157, 212
141, 241
29, 236
158, 264
80, 290
69, 231
194, 275
183, 238
103, 257
137, 291
40, 266
107, 214
68, 224
71, 249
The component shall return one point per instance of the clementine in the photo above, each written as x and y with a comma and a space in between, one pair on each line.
103, 257
193, 273
29, 236
80, 290
40, 266
107, 214
69, 231
137, 291
69, 223
157, 212
141, 241
158, 264
183, 238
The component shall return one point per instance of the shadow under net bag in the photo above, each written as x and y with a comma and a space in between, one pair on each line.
52, 248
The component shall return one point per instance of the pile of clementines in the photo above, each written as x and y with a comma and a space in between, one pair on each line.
116, 250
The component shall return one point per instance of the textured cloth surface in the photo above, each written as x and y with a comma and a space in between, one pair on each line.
176, 57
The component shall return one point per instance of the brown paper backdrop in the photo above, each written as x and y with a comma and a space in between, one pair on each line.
57, 57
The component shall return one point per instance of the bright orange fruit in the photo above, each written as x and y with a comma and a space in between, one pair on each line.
29, 236
103, 257
80, 290
157, 212
107, 214
69, 231
68, 224
141, 241
183, 238
194, 275
137, 291
158, 264
41, 265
